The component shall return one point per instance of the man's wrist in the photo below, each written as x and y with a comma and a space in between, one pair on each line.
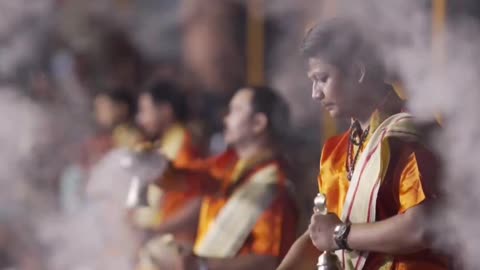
202, 263
340, 235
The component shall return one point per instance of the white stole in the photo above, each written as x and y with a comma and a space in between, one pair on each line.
361, 201
234, 223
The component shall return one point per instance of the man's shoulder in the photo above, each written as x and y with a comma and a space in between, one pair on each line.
334, 140
335, 145
271, 171
402, 147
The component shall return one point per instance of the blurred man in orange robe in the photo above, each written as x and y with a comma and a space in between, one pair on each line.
248, 218
162, 115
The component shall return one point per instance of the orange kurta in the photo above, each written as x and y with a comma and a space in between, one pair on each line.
176, 145
274, 231
409, 181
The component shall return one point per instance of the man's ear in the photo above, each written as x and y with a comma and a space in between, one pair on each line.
168, 110
124, 109
260, 122
359, 70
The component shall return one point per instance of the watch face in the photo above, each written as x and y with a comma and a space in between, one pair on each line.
339, 229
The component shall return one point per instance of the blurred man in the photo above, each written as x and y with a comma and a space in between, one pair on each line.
114, 112
378, 177
247, 218
162, 115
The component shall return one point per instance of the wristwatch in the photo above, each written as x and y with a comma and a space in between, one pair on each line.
340, 235
202, 264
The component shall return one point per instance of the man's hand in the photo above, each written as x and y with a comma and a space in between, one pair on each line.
302, 254
188, 260
321, 231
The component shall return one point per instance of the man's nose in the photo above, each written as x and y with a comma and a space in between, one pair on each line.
317, 91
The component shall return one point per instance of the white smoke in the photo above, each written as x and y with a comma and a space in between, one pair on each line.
24, 131
25, 127
436, 85
35, 138
20, 122
21, 25
449, 89
401, 28
156, 28
98, 235
453, 91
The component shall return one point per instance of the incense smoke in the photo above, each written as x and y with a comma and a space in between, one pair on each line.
438, 85
33, 135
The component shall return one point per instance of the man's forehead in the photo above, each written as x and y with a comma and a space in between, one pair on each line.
101, 98
243, 95
145, 96
316, 64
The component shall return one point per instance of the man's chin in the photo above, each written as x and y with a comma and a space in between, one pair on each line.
151, 136
227, 141
334, 113
231, 142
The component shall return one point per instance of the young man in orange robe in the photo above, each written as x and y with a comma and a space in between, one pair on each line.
378, 177
162, 115
248, 219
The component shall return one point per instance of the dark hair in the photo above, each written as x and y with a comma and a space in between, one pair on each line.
122, 96
266, 100
169, 92
341, 42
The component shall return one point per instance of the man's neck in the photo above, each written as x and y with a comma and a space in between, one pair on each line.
121, 123
364, 120
251, 149
166, 129
365, 113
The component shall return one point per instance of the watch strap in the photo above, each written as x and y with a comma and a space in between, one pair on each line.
341, 239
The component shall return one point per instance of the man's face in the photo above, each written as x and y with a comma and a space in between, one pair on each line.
239, 123
153, 118
107, 112
332, 88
